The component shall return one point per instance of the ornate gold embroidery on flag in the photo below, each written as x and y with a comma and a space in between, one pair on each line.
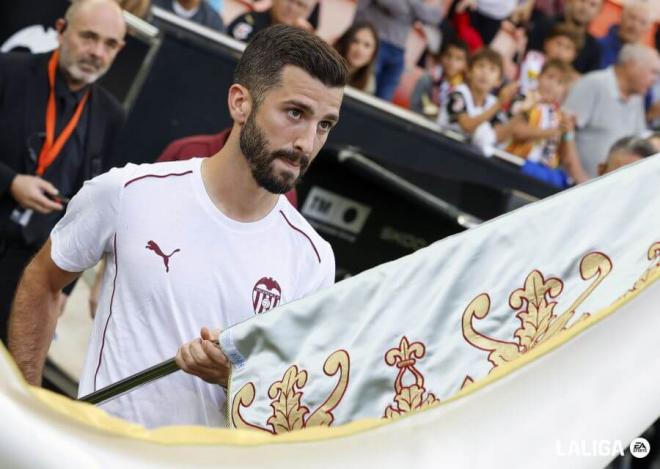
288, 412
412, 397
535, 311
653, 256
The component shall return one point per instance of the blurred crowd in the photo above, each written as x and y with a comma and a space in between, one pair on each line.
530, 78
571, 95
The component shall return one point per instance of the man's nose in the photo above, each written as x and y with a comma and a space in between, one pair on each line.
98, 49
305, 139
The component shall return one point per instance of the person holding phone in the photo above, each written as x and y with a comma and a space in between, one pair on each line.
58, 127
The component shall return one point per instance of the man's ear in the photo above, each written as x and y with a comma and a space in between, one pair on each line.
239, 102
60, 25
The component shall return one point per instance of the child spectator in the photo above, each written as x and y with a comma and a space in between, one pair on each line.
563, 43
580, 14
472, 108
359, 46
542, 133
432, 89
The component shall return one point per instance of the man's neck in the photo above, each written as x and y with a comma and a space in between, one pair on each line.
622, 82
229, 183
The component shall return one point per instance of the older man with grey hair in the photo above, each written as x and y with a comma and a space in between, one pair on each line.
608, 104
59, 128
636, 21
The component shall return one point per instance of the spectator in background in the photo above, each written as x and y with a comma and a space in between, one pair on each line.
608, 104
139, 8
654, 139
393, 19
543, 134
198, 11
635, 24
59, 128
563, 43
473, 110
448, 71
653, 106
217, 5
478, 21
625, 151
290, 12
359, 46
580, 14
550, 7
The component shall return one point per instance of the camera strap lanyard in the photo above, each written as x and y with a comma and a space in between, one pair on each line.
53, 146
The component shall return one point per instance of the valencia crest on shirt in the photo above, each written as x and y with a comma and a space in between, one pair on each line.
266, 295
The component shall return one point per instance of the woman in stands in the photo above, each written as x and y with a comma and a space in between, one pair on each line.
359, 46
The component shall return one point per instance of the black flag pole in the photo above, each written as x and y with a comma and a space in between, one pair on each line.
134, 381
131, 382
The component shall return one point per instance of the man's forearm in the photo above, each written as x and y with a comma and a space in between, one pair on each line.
32, 323
570, 159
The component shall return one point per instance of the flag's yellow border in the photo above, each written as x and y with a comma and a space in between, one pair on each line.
94, 417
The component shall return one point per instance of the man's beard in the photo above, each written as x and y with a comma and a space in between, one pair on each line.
76, 74
255, 148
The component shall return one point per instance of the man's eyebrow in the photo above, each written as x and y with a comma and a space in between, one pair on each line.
307, 109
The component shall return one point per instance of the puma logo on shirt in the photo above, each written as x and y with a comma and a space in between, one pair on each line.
166, 257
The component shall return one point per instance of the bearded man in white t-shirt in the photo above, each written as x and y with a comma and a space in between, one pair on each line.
196, 243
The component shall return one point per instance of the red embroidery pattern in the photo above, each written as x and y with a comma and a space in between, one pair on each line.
288, 412
412, 397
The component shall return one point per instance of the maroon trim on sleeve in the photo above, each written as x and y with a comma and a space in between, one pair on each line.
157, 176
112, 299
304, 234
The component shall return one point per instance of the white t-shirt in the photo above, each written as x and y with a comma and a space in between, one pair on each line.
176, 263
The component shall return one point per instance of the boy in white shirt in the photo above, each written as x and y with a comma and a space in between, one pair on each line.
473, 109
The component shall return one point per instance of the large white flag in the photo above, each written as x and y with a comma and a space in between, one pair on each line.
412, 333
574, 406
485, 333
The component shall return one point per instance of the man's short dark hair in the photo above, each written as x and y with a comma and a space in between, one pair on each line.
270, 50
486, 54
